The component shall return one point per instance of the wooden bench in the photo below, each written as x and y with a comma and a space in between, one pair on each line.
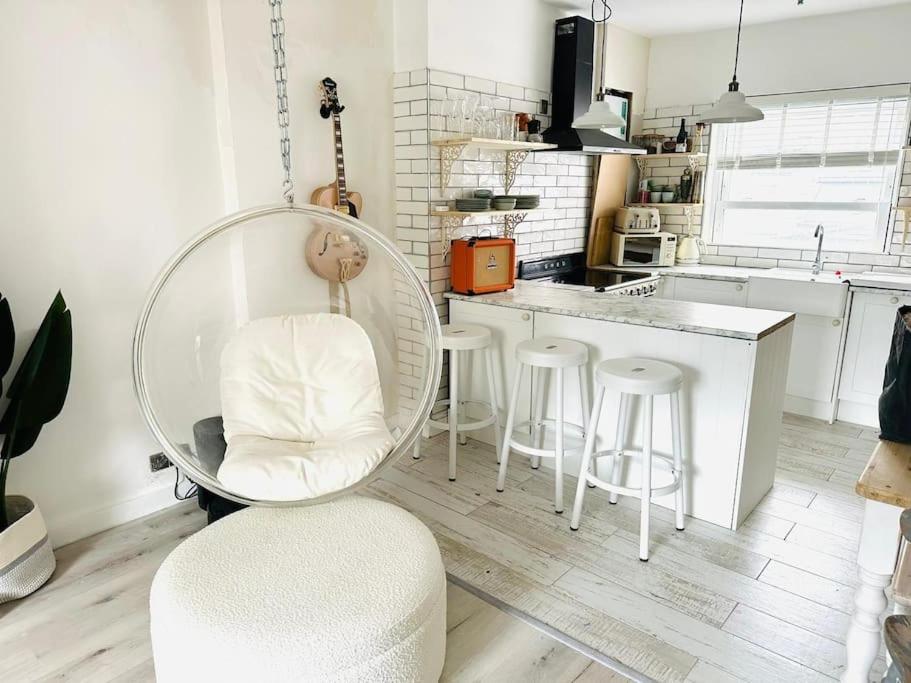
886, 485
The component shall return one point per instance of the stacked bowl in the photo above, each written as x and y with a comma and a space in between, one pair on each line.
473, 204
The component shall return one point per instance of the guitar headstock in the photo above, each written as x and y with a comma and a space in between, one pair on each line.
330, 104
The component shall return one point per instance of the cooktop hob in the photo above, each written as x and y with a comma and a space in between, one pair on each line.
570, 269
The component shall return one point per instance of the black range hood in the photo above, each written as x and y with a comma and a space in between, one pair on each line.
571, 88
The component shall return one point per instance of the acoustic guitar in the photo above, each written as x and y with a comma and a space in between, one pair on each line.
336, 195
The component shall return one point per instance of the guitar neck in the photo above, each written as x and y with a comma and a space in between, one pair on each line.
339, 162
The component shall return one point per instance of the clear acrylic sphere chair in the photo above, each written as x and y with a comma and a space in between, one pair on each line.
281, 263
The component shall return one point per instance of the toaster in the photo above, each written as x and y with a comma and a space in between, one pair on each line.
637, 221
481, 265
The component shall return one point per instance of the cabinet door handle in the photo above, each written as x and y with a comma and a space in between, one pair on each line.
893, 300
526, 316
739, 288
836, 322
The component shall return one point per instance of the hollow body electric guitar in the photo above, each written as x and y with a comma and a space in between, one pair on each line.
336, 195
336, 256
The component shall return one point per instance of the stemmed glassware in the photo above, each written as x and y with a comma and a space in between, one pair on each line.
466, 115
454, 110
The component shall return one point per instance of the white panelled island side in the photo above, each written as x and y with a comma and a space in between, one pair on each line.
734, 360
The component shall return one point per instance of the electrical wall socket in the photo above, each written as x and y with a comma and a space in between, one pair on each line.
158, 462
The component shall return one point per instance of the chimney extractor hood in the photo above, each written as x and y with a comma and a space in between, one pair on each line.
571, 88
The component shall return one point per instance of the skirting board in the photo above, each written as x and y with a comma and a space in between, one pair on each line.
858, 413
821, 410
70, 527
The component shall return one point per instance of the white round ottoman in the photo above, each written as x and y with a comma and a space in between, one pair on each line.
352, 590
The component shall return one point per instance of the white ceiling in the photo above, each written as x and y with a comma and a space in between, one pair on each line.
661, 17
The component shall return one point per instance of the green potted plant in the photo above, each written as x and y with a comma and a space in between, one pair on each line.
36, 395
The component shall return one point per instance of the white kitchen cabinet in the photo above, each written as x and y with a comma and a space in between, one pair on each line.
870, 322
509, 327
731, 404
705, 291
813, 365
818, 334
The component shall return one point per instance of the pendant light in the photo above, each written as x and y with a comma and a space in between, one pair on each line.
732, 106
599, 114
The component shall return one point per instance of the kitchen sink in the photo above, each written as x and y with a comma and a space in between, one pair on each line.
801, 275
783, 289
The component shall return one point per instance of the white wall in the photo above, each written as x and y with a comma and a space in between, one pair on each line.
109, 165
112, 162
830, 51
410, 28
349, 40
511, 41
514, 43
627, 67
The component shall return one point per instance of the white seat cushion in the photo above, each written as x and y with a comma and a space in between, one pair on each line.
351, 590
302, 407
272, 469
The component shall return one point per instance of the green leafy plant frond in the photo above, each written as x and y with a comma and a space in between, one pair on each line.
7, 340
39, 387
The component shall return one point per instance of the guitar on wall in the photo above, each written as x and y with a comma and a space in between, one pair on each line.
335, 256
336, 195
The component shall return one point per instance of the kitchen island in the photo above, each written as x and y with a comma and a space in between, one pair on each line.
734, 361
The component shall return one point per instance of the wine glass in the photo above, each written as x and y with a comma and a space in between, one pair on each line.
454, 116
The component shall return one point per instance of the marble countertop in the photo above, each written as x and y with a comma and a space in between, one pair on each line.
706, 272
869, 279
876, 280
684, 316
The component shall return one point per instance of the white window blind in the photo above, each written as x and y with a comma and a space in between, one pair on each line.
821, 160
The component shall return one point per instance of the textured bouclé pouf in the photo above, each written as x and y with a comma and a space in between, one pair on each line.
352, 590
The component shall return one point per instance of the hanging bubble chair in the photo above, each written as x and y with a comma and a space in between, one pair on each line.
286, 356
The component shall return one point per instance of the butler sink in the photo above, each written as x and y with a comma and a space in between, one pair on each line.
800, 291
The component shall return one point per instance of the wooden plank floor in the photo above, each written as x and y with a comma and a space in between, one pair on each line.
770, 602
91, 621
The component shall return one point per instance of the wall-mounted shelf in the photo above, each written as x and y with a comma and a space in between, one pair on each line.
692, 157
452, 222
492, 143
514, 150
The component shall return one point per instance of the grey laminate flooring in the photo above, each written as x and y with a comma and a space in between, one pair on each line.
91, 621
769, 602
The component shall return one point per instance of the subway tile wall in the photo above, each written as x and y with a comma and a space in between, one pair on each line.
666, 121
564, 181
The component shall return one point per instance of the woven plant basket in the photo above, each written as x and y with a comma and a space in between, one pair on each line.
26, 557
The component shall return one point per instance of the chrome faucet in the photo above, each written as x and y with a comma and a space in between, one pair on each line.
817, 264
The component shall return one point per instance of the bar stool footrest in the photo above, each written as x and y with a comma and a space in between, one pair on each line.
662, 459
463, 426
521, 441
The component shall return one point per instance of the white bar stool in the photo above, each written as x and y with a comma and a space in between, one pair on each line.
459, 339
545, 354
647, 379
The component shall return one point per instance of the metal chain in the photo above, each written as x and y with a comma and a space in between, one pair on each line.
281, 95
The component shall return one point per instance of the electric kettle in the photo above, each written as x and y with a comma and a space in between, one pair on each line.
689, 249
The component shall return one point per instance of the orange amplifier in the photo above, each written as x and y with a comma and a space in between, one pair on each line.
481, 265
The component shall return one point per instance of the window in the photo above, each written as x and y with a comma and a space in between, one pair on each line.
830, 161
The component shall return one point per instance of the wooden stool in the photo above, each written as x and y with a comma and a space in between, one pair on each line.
644, 378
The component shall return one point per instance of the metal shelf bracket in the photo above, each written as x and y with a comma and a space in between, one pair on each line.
514, 159
448, 156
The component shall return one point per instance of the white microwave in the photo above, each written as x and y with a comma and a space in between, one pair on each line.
643, 250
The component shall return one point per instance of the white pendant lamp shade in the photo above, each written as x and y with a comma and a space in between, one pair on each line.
599, 116
732, 107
